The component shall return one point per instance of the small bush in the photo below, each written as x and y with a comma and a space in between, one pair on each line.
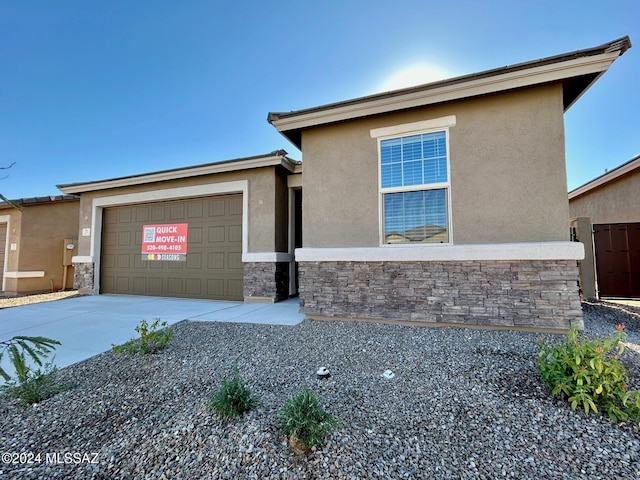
589, 374
38, 348
151, 339
35, 386
233, 398
303, 418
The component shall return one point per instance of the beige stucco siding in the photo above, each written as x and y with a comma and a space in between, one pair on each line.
616, 202
38, 231
508, 178
263, 191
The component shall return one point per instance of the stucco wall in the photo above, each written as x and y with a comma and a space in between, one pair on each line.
615, 202
38, 232
262, 198
508, 177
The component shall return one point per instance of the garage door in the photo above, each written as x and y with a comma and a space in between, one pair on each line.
213, 265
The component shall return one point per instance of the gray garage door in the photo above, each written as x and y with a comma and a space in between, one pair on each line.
213, 265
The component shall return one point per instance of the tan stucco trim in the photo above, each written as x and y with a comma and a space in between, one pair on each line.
222, 167
414, 127
294, 181
606, 178
415, 253
6, 219
474, 87
266, 257
34, 274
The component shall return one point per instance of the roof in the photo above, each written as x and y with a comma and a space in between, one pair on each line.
607, 177
39, 200
275, 158
577, 71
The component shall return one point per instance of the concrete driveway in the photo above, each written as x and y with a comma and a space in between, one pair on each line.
89, 325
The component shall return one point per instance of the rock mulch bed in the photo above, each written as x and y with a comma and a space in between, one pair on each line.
464, 404
39, 298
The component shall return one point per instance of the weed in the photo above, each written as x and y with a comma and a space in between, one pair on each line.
151, 339
35, 386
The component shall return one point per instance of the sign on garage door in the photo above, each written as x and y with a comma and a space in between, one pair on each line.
212, 267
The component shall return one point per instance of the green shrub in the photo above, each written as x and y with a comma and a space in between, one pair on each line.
38, 348
589, 374
30, 386
35, 385
233, 398
151, 339
303, 418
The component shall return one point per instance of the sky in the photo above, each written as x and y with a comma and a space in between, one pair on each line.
104, 89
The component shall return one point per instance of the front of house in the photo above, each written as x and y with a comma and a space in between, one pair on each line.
446, 202
443, 203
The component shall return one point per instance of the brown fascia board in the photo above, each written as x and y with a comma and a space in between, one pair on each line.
573, 86
40, 200
607, 177
275, 158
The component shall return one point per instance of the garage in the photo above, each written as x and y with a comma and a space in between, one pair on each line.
212, 267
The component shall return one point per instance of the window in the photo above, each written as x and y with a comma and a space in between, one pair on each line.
414, 185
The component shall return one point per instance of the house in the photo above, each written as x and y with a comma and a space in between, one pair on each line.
442, 203
216, 231
482, 156
605, 213
37, 242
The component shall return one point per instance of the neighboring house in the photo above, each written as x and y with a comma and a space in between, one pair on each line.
222, 231
606, 216
37, 242
482, 156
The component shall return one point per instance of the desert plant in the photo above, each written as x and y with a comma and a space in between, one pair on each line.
35, 386
304, 421
233, 398
589, 374
37, 348
29, 385
151, 339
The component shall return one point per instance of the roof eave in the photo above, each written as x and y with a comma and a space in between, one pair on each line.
624, 169
592, 62
277, 158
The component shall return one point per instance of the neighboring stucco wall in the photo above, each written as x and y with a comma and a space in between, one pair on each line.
615, 202
262, 193
508, 177
38, 232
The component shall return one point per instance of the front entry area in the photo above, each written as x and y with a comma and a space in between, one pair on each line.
212, 268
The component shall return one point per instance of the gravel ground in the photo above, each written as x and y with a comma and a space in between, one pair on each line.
29, 299
464, 404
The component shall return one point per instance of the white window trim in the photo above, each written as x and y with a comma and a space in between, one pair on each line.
441, 124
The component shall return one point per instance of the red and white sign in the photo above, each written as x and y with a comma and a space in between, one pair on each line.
165, 242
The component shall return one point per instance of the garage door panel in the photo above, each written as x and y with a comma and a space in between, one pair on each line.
235, 233
235, 261
235, 206
213, 266
217, 234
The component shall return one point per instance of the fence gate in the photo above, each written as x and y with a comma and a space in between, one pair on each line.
617, 249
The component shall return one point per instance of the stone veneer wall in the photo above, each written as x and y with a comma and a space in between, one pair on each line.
266, 279
83, 276
519, 294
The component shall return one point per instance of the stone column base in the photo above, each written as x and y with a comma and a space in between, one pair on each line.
83, 277
266, 281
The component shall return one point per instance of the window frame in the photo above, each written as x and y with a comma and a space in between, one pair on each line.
398, 131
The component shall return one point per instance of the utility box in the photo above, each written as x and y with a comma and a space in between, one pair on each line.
69, 249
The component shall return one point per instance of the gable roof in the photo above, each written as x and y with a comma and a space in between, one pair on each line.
607, 177
275, 158
577, 71
20, 202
